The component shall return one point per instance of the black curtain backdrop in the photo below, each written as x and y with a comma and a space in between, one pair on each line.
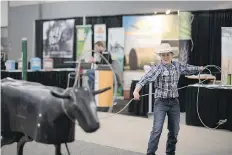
58, 62
110, 21
206, 35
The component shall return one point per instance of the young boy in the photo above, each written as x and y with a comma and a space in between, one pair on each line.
166, 75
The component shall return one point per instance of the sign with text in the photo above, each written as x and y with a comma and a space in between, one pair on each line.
100, 33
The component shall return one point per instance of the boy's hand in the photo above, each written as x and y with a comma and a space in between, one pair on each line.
136, 95
91, 60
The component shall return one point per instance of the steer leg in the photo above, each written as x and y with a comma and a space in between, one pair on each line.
58, 149
8, 140
21, 144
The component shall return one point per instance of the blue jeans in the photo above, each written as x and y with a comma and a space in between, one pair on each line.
91, 78
162, 107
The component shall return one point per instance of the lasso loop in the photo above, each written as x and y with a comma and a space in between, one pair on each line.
220, 122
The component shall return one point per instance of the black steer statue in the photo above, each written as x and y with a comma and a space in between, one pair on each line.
32, 111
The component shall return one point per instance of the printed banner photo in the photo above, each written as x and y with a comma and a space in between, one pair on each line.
143, 36
100, 33
58, 38
84, 41
116, 38
226, 55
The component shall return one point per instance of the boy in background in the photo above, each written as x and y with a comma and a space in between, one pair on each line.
97, 59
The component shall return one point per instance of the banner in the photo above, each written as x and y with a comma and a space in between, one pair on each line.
84, 41
185, 42
58, 38
116, 48
143, 36
226, 55
100, 33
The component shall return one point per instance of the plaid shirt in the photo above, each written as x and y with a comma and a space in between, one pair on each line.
166, 78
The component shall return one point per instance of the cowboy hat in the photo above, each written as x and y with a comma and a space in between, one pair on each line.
166, 48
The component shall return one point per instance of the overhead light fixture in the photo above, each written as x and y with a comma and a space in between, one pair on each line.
167, 12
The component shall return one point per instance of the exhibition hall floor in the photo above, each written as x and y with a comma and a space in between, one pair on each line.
128, 135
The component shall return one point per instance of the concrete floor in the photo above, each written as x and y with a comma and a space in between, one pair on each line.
121, 134
132, 133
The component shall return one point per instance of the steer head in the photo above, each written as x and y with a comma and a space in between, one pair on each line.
79, 103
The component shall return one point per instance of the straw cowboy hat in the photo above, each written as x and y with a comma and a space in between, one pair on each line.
166, 48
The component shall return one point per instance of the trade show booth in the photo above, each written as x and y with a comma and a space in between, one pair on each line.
198, 37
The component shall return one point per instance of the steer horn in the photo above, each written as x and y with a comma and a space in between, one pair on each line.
60, 95
65, 95
101, 90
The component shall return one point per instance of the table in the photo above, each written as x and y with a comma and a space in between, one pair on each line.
214, 104
189, 80
144, 106
141, 107
202, 77
56, 77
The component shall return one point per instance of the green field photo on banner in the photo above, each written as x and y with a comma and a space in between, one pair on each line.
84, 41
